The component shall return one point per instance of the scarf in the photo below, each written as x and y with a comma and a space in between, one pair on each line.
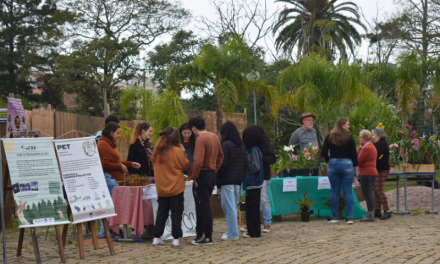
147, 146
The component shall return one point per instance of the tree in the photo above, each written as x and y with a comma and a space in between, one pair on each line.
29, 34
222, 71
142, 99
312, 24
94, 67
182, 49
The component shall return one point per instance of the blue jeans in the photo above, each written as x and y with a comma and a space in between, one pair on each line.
229, 202
340, 173
265, 203
111, 184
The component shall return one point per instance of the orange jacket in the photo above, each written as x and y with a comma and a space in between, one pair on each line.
367, 160
110, 158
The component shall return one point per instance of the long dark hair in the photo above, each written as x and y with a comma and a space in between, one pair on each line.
110, 127
229, 131
192, 139
263, 135
252, 138
168, 137
338, 135
138, 130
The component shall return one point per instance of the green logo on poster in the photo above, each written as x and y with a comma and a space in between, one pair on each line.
90, 147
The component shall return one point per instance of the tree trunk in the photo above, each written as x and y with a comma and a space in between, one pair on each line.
404, 120
104, 94
219, 114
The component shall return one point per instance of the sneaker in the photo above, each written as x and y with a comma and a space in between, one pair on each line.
196, 238
175, 243
266, 229
246, 235
244, 229
204, 241
349, 221
225, 235
157, 242
331, 220
226, 238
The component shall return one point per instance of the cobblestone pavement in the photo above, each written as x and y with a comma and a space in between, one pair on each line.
401, 239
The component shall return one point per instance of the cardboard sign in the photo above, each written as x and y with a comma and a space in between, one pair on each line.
149, 193
289, 185
323, 183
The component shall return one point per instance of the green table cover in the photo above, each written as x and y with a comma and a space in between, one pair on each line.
283, 202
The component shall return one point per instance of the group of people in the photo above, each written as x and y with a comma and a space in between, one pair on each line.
191, 150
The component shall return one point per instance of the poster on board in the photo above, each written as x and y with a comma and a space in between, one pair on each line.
83, 179
16, 118
189, 214
36, 182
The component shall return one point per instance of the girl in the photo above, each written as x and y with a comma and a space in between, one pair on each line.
140, 150
188, 140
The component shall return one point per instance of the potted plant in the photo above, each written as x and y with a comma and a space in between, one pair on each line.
310, 160
394, 163
341, 207
283, 162
305, 205
273, 170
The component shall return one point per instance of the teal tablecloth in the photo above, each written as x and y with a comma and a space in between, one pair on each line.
283, 202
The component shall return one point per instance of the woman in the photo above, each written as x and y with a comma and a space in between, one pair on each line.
367, 156
383, 170
342, 167
170, 161
230, 176
188, 140
253, 180
140, 150
114, 168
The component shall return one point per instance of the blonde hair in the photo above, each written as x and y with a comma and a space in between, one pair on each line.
366, 134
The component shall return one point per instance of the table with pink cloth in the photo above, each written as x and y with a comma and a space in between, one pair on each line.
131, 209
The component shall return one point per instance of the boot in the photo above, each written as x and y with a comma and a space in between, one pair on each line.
386, 215
369, 217
377, 214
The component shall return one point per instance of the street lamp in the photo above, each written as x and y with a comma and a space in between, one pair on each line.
254, 76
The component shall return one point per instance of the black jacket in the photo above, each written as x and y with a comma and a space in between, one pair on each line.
189, 155
234, 164
137, 153
344, 151
269, 158
383, 155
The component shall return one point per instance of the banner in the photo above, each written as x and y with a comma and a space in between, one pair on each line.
84, 180
189, 214
16, 119
36, 182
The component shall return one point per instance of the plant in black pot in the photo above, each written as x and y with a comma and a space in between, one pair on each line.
305, 205
341, 207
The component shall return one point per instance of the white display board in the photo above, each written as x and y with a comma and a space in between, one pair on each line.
83, 179
189, 215
323, 183
289, 185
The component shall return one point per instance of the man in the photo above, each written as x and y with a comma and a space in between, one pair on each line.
305, 134
208, 158
108, 119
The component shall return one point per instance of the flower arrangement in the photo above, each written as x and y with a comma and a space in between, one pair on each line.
136, 180
394, 150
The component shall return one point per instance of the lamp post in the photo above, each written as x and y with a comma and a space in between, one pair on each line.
254, 76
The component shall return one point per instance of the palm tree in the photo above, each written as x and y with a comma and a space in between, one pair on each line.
222, 70
317, 24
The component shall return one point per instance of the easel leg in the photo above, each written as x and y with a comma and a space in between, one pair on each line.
65, 229
80, 241
35, 243
94, 234
60, 244
20, 242
109, 238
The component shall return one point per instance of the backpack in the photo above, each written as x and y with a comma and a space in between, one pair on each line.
256, 179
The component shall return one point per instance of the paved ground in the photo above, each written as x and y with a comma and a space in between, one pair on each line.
401, 239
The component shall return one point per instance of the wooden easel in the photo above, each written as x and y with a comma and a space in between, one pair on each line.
95, 241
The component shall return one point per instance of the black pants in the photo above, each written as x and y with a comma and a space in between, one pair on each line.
175, 204
202, 194
253, 197
367, 184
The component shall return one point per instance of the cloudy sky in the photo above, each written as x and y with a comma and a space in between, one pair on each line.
369, 9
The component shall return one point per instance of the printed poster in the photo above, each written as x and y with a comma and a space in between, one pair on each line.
83, 179
289, 185
36, 182
189, 214
16, 119
323, 183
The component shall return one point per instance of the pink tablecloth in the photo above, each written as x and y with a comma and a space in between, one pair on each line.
131, 209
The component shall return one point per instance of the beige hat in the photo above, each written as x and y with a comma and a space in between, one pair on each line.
304, 115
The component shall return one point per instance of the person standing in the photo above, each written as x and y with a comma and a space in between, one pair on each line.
108, 119
208, 157
253, 180
306, 134
114, 168
230, 176
188, 140
141, 150
367, 156
383, 170
342, 167
170, 160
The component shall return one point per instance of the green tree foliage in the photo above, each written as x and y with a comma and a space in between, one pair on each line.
203, 102
182, 49
317, 23
28, 214
28, 37
142, 99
